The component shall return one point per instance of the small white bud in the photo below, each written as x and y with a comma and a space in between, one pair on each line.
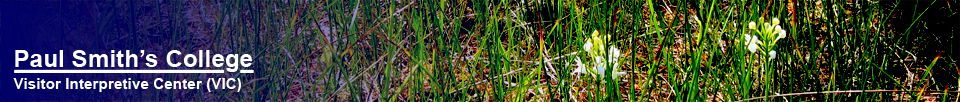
580, 66
753, 25
767, 28
778, 28
614, 51
783, 34
773, 54
777, 31
776, 21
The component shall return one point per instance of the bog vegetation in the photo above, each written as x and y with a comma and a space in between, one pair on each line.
617, 50
574, 51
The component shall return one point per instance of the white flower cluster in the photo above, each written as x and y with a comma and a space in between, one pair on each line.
768, 31
595, 47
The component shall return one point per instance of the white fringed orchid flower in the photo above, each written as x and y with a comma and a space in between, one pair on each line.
783, 34
580, 66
